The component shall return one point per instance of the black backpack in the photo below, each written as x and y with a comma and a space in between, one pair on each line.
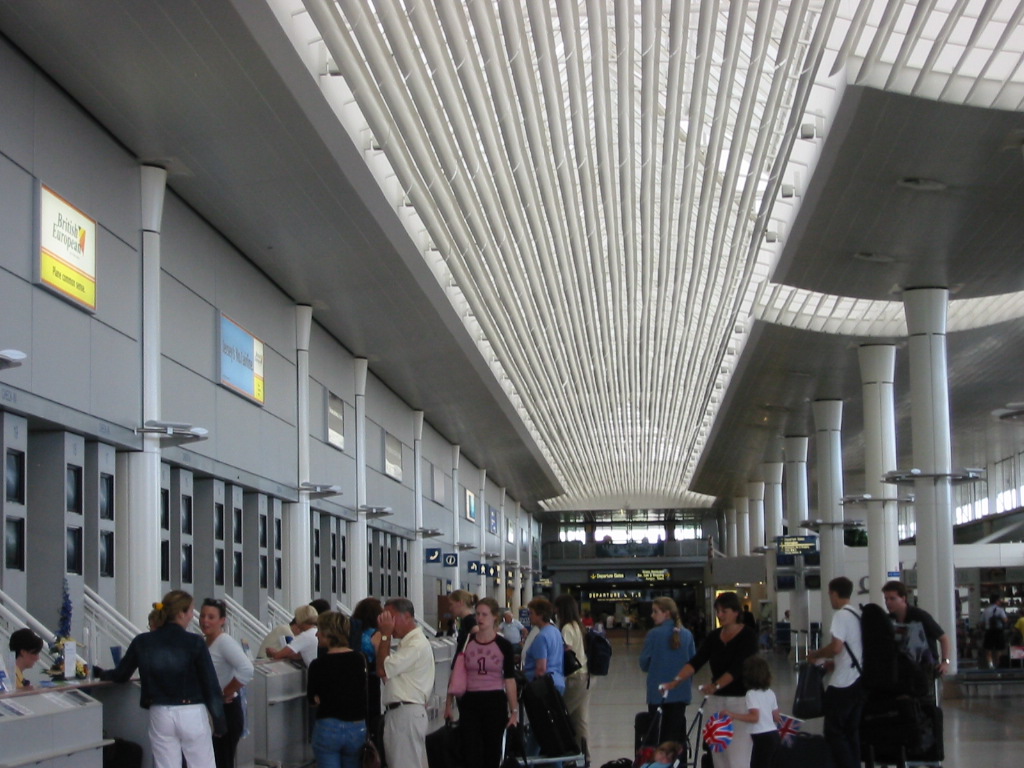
879, 672
599, 653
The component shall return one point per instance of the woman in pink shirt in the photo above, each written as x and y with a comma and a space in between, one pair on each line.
490, 704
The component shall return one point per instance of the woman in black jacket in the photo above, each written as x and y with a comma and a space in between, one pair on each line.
725, 650
179, 686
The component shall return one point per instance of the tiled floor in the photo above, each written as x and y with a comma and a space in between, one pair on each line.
984, 732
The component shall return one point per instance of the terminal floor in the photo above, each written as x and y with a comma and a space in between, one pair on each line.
984, 731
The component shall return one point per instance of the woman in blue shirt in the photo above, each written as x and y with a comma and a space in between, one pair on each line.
545, 654
667, 647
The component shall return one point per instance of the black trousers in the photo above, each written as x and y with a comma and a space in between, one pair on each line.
224, 746
766, 744
673, 721
843, 708
482, 718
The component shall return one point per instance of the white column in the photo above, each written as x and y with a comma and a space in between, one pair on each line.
416, 555
482, 521
528, 587
755, 508
930, 432
500, 592
731, 533
358, 574
828, 421
877, 376
298, 534
772, 473
138, 473
742, 526
457, 498
517, 577
796, 512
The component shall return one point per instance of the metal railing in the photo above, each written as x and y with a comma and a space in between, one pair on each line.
278, 613
243, 626
102, 620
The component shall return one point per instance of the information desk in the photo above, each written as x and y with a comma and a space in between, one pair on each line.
51, 727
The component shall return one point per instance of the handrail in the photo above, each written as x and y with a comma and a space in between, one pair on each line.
14, 613
278, 613
248, 630
118, 626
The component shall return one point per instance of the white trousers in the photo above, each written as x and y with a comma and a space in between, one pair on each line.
184, 729
405, 736
737, 754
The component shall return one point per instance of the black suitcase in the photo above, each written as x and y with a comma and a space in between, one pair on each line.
641, 727
122, 754
804, 750
891, 726
549, 719
443, 747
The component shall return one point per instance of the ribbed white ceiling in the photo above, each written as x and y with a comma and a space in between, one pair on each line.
594, 184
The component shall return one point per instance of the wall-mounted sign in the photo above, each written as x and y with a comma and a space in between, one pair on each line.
796, 545
241, 360
451, 560
492, 570
615, 595
632, 575
67, 250
473, 566
433, 554
492, 520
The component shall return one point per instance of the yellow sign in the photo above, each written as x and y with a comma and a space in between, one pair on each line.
67, 249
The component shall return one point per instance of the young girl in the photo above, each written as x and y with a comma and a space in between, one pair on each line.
762, 711
665, 755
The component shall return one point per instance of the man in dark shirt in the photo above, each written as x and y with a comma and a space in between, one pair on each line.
895, 593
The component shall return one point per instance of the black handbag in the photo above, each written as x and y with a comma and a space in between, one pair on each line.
570, 662
809, 701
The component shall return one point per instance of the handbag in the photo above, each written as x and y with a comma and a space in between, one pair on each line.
370, 757
809, 701
457, 682
570, 662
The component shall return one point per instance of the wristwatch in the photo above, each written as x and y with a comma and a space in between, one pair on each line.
385, 638
946, 661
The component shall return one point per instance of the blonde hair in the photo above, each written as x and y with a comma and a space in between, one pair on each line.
334, 628
468, 599
668, 605
175, 603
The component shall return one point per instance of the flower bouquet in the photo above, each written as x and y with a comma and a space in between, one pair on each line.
64, 642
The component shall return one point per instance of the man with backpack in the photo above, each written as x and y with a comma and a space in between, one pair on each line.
895, 593
994, 620
844, 697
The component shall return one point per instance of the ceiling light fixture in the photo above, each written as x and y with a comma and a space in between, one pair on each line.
11, 358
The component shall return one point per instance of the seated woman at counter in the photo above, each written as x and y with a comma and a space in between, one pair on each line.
26, 646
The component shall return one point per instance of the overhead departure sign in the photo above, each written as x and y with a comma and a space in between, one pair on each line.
653, 575
796, 545
608, 576
632, 575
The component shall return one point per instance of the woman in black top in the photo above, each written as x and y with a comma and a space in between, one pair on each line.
725, 650
336, 684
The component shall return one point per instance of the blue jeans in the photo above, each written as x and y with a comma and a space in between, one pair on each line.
338, 743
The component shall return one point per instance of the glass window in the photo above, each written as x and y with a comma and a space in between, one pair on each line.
186, 515
73, 549
218, 522
165, 510
106, 553
74, 489
263, 531
277, 573
236, 525
165, 560
237, 577
186, 563
14, 543
263, 571
106, 496
335, 421
218, 566
15, 480
392, 456
277, 533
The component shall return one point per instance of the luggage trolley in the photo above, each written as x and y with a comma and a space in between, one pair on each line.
896, 753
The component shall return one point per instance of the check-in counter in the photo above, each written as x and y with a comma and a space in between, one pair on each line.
59, 727
444, 651
279, 717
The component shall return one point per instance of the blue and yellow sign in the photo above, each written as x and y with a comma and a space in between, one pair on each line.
241, 360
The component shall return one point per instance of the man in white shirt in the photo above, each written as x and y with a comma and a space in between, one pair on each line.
407, 674
844, 698
304, 646
512, 629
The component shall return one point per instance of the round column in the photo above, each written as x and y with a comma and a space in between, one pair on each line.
731, 535
930, 431
772, 473
796, 512
742, 526
358, 569
828, 421
877, 376
417, 555
755, 509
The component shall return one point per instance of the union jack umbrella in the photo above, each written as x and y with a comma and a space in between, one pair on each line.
718, 732
788, 729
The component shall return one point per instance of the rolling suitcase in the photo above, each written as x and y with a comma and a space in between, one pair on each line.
804, 750
549, 719
646, 735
